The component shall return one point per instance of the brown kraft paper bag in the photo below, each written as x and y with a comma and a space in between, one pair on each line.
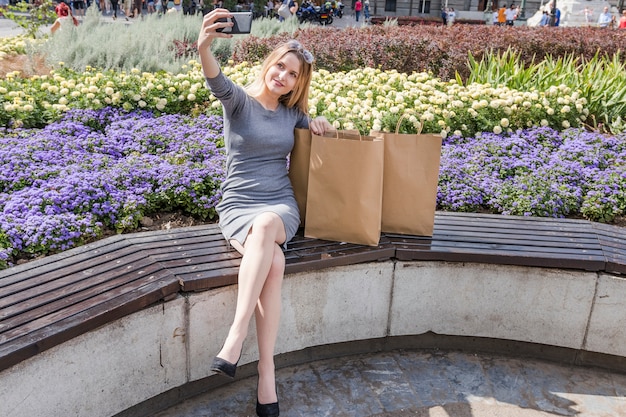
410, 182
344, 201
299, 168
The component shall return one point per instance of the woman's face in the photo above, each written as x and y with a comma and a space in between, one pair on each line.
281, 78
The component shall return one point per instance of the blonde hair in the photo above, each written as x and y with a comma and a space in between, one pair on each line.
299, 96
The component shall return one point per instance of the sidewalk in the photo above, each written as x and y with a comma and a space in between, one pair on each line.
8, 28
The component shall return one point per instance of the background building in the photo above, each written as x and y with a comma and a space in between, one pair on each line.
572, 11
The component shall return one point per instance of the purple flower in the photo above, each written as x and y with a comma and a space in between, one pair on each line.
62, 184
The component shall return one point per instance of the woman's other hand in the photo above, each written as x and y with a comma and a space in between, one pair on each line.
320, 125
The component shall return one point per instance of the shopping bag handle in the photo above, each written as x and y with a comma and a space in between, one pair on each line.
404, 116
354, 132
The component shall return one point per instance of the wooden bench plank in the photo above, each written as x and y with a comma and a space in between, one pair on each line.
70, 276
306, 254
56, 299
505, 258
57, 264
208, 231
62, 307
110, 307
613, 244
57, 259
203, 280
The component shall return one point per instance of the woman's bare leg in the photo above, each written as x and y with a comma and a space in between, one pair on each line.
267, 324
258, 256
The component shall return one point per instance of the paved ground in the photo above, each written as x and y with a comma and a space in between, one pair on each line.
422, 384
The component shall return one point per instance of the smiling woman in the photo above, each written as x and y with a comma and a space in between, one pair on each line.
258, 212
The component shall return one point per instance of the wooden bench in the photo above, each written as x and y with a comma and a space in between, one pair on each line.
47, 302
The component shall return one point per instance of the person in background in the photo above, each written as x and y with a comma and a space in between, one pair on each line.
451, 16
114, 6
137, 8
444, 16
358, 6
545, 19
128, 8
366, 9
622, 20
258, 213
604, 20
293, 7
64, 17
588, 13
79, 7
269, 9
502, 15
510, 15
557, 17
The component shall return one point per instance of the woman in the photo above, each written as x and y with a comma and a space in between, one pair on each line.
258, 212
64, 14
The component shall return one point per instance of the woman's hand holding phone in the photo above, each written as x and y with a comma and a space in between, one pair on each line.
213, 25
241, 23
208, 32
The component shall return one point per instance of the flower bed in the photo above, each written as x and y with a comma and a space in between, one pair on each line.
102, 170
368, 99
95, 170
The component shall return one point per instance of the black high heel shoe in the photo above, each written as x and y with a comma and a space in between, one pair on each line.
267, 410
224, 367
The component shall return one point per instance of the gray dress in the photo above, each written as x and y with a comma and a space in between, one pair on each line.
257, 144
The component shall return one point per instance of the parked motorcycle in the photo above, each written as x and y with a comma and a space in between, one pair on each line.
306, 13
339, 10
325, 14
310, 13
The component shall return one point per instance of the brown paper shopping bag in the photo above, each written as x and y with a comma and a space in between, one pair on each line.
299, 168
344, 201
410, 182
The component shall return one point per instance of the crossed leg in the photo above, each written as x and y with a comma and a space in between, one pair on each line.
260, 281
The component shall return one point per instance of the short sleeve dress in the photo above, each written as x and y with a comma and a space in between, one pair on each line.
257, 142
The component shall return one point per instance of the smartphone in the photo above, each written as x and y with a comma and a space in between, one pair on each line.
242, 22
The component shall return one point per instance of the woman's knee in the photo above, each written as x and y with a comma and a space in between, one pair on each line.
269, 225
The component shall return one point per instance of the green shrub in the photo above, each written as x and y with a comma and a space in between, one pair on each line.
155, 43
443, 53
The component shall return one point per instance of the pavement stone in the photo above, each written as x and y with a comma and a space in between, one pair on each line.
424, 384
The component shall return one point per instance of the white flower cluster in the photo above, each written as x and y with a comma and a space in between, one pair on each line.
366, 99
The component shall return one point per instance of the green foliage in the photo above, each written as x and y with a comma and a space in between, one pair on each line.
147, 44
5, 250
155, 43
31, 17
600, 79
